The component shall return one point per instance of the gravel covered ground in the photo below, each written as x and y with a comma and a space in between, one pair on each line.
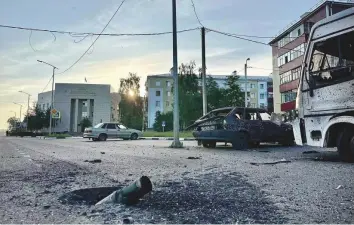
191, 185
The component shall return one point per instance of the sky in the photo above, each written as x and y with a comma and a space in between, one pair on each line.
112, 58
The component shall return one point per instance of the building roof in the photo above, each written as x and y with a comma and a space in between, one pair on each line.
307, 15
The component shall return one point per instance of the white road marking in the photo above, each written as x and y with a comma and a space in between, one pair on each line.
22, 153
27, 156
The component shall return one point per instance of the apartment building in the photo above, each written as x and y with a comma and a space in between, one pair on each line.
160, 96
288, 48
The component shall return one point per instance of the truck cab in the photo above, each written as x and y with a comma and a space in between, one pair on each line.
325, 97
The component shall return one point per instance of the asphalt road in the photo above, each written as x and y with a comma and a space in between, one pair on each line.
218, 186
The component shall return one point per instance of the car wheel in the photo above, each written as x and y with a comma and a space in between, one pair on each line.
240, 142
209, 144
345, 145
134, 136
102, 137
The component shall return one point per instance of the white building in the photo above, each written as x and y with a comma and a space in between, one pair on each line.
77, 101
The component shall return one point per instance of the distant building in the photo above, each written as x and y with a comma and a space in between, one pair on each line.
160, 95
97, 102
288, 50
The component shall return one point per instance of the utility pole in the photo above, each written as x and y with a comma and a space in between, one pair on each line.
205, 104
52, 101
176, 143
28, 99
246, 83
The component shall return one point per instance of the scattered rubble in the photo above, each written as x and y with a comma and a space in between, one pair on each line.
339, 187
192, 157
271, 163
93, 161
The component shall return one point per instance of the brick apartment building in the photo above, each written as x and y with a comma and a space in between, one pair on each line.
289, 47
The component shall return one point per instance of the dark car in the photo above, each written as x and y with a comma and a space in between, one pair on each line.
242, 127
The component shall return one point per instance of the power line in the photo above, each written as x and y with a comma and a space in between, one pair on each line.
95, 39
250, 40
83, 34
196, 14
47, 84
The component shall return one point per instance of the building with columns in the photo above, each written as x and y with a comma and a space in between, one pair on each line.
97, 102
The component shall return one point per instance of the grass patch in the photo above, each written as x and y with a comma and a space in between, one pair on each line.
167, 134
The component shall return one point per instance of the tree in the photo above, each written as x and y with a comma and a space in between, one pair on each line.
85, 122
37, 118
215, 95
233, 96
159, 118
131, 104
190, 98
12, 121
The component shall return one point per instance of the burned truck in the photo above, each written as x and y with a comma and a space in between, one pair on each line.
324, 105
242, 127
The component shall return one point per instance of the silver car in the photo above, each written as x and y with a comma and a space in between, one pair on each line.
102, 131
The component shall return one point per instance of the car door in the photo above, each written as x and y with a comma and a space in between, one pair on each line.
254, 126
112, 131
271, 130
123, 131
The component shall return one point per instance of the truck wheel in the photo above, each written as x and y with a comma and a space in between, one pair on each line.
345, 145
102, 137
240, 142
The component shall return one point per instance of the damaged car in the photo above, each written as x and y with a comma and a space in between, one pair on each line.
242, 127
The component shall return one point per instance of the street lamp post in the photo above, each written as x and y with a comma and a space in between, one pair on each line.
20, 108
246, 82
52, 100
28, 99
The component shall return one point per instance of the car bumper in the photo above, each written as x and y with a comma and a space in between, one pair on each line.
88, 135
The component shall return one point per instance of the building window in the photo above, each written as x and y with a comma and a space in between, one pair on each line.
290, 75
262, 105
84, 114
253, 85
167, 103
299, 32
43, 107
168, 93
292, 54
158, 93
158, 103
158, 83
47, 105
288, 96
253, 105
261, 96
262, 86
168, 83
252, 95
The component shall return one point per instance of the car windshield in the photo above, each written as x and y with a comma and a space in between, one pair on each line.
98, 125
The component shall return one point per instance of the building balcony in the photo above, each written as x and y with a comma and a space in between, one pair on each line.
287, 106
289, 86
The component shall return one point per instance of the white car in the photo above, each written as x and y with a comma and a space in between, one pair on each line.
103, 131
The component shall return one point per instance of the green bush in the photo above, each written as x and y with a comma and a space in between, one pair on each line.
167, 117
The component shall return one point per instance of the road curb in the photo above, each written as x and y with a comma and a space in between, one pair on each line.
166, 138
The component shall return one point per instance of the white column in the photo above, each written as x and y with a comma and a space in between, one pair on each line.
76, 115
88, 108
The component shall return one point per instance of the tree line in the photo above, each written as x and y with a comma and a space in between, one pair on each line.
190, 98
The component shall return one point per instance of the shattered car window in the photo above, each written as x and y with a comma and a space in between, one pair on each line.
264, 116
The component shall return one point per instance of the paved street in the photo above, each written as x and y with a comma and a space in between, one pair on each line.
217, 186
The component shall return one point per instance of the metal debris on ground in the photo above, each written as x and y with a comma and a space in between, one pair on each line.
339, 187
130, 194
103, 153
192, 157
93, 161
128, 220
310, 152
271, 163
